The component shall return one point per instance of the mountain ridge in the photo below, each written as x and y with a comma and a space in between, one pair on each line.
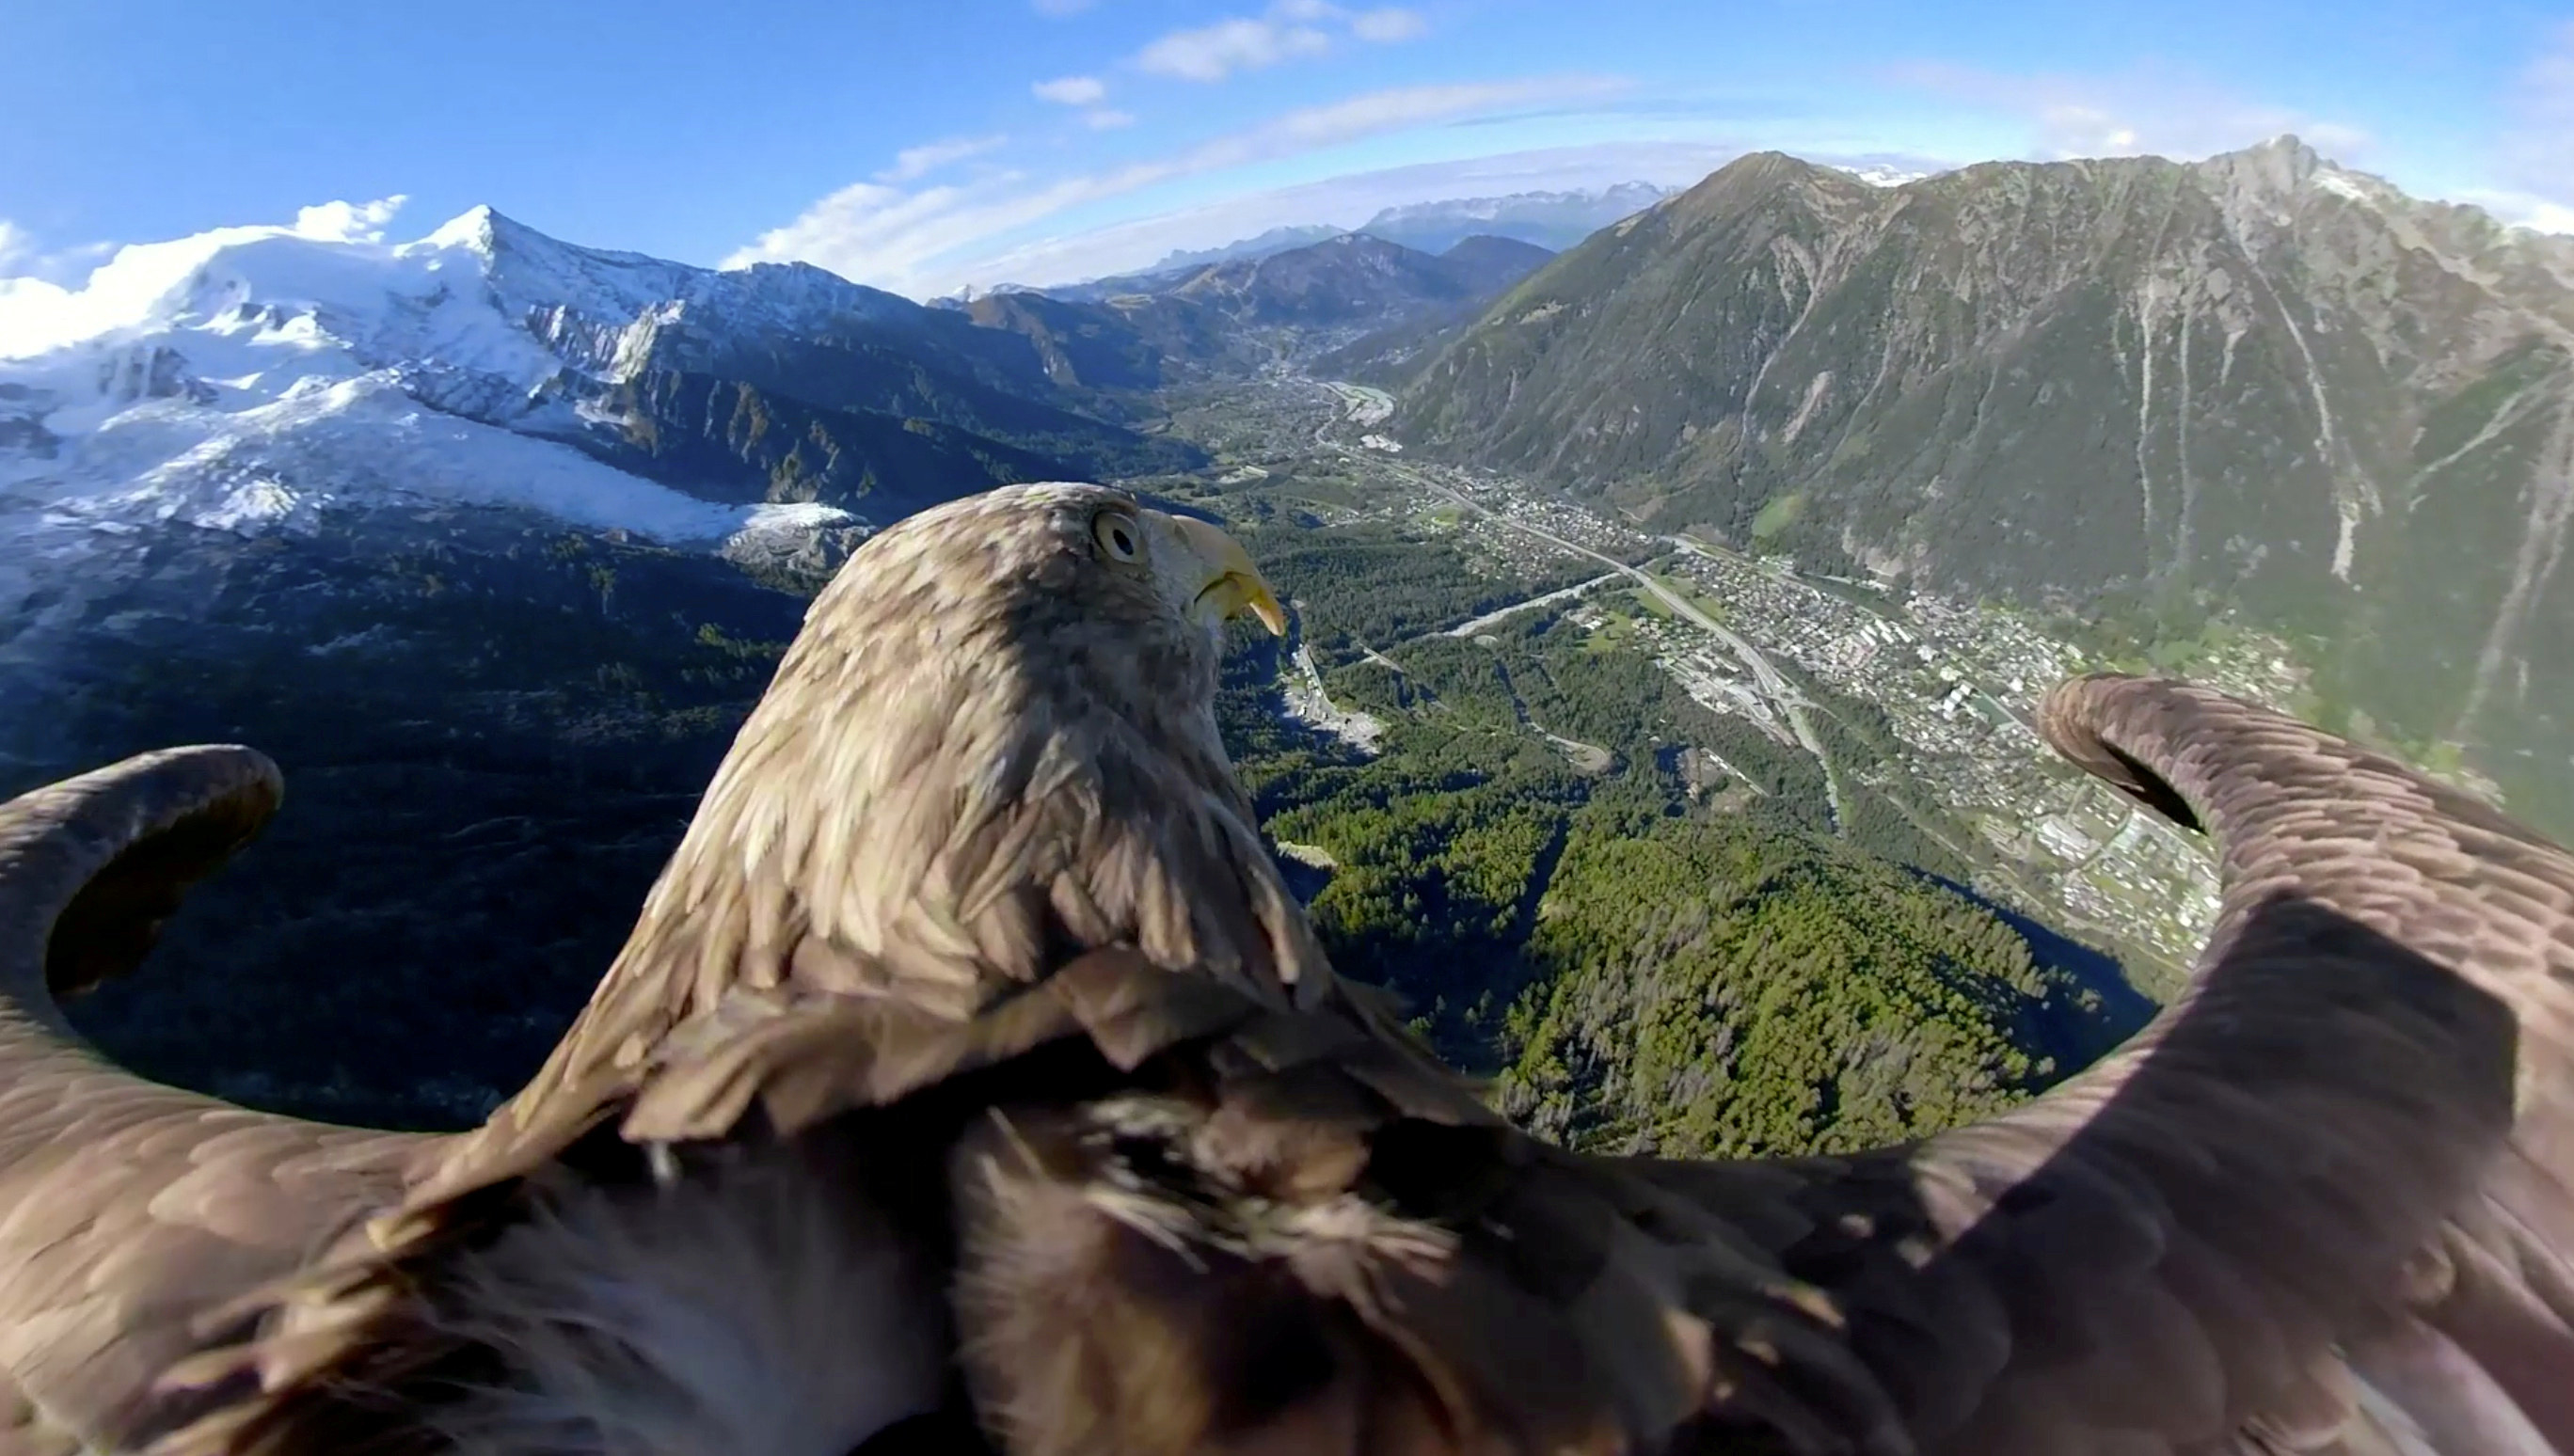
222, 341
1554, 221
2175, 390
1232, 317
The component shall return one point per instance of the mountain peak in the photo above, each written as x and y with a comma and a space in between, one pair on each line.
2281, 165
473, 228
2290, 146
2364, 388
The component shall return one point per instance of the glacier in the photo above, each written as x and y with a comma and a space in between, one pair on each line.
247, 379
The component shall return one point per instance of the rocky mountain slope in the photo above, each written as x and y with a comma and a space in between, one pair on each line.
2258, 386
1487, 264
1353, 279
1388, 356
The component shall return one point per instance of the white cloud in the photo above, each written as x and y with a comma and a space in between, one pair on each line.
348, 222
1387, 25
2142, 111
928, 157
927, 241
1289, 30
1107, 119
38, 314
1071, 90
24, 261
2550, 217
1213, 52
2522, 209
1350, 200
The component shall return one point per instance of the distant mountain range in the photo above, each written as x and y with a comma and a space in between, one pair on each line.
1358, 278
1276, 240
1237, 314
261, 374
1553, 221
2259, 388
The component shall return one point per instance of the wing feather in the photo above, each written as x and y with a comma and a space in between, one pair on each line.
2372, 1060
130, 1207
2323, 1175
1249, 1207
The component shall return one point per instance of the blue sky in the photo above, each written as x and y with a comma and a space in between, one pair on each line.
919, 146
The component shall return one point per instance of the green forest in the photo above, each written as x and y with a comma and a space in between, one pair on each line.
1630, 947
1636, 960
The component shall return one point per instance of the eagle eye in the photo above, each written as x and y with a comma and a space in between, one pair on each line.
1118, 535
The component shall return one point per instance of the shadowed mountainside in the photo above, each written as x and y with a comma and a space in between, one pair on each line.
2150, 392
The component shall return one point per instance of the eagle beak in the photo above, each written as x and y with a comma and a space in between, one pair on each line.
1231, 584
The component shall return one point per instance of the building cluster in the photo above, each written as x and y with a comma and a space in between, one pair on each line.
1959, 681
1960, 684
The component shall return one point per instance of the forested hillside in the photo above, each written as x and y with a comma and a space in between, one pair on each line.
1641, 955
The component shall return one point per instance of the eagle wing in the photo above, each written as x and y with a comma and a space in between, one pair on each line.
2320, 1203
2343, 1150
129, 1209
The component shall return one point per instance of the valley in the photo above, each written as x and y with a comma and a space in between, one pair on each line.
1661, 799
2160, 404
1226, 727
1911, 714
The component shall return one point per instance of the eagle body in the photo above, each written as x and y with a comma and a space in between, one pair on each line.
759, 1300
970, 1076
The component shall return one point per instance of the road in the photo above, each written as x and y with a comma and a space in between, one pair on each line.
1469, 629
1773, 682
2153, 822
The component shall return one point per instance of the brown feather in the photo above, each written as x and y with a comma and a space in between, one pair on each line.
2174, 1252
976, 915
126, 1209
982, 813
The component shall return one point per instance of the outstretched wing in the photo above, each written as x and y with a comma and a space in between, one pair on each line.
128, 1209
2341, 1154
1193, 1217
2343, 1150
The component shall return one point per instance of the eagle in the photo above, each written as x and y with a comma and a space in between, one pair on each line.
971, 1080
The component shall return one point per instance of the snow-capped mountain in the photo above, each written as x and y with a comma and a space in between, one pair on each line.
1878, 174
473, 469
247, 378
481, 537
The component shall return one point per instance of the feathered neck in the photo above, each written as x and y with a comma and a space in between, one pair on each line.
939, 800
